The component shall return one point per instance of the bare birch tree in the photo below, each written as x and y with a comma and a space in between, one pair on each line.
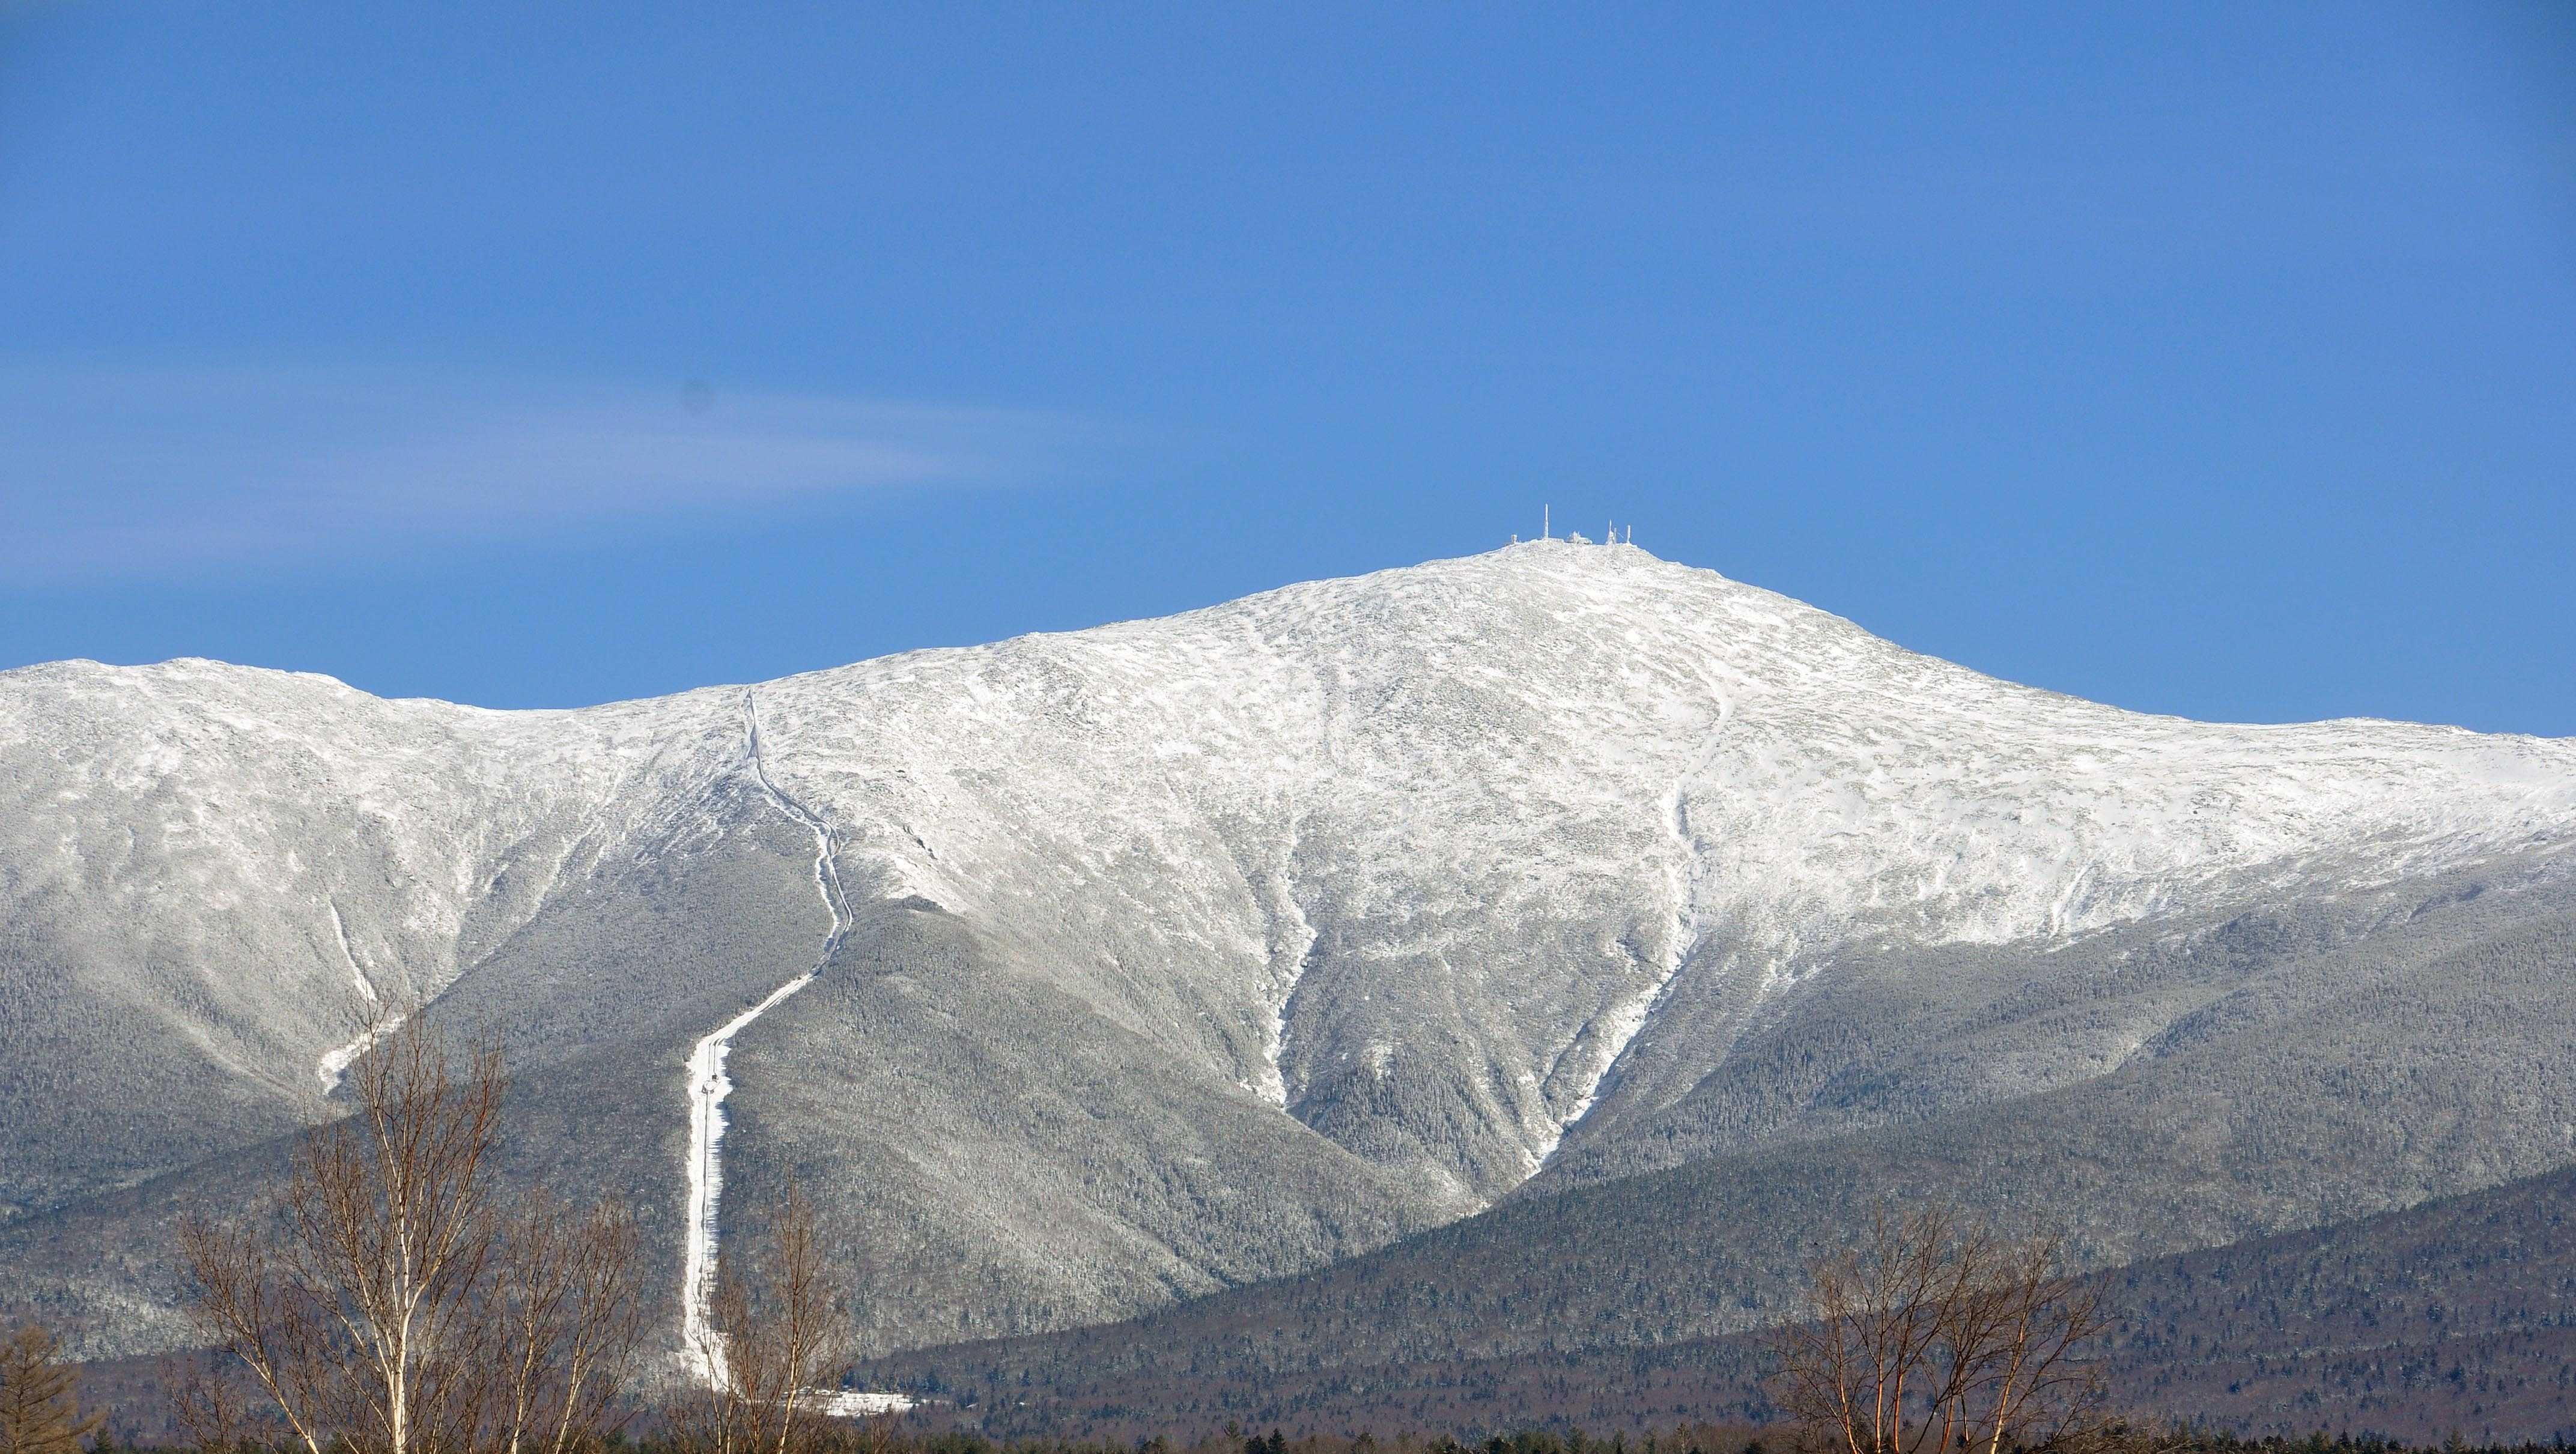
1938, 1334
219, 1413
781, 1334
568, 1319
390, 1304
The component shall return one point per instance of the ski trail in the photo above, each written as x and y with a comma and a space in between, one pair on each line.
709, 1085
336, 1061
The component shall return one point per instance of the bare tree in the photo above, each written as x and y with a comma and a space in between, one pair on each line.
780, 1321
210, 1406
40, 1397
568, 1319
1939, 1334
391, 1304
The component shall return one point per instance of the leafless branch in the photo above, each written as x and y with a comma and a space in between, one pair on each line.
391, 1305
1939, 1334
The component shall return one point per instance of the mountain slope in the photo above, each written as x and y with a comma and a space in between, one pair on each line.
1186, 953
2316, 1089
2457, 1316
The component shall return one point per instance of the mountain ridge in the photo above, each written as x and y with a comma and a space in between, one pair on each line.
1293, 925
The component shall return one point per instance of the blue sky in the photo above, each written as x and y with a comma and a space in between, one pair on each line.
2207, 360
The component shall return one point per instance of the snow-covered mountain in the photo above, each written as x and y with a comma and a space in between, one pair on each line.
1167, 956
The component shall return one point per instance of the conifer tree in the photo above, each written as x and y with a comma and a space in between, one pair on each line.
40, 1397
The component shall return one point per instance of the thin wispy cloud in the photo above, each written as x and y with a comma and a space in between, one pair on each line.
122, 474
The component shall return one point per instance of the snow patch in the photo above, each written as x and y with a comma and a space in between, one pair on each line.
335, 1062
357, 972
845, 1403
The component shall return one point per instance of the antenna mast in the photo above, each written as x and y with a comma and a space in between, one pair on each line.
1543, 524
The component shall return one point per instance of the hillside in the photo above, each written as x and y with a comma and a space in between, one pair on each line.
1548, 900
2455, 1317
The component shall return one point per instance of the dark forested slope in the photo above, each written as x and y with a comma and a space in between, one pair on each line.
2455, 1316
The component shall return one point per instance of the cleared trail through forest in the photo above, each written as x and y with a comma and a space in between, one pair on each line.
709, 1085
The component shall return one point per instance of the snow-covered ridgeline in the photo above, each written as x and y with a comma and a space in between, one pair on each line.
1336, 833
709, 1085
1462, 758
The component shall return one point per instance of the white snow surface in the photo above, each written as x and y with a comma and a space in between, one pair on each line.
849, 1403
1508, 796
336, 1061
1441, 760
363, 850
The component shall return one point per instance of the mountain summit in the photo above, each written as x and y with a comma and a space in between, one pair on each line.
1085, 972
